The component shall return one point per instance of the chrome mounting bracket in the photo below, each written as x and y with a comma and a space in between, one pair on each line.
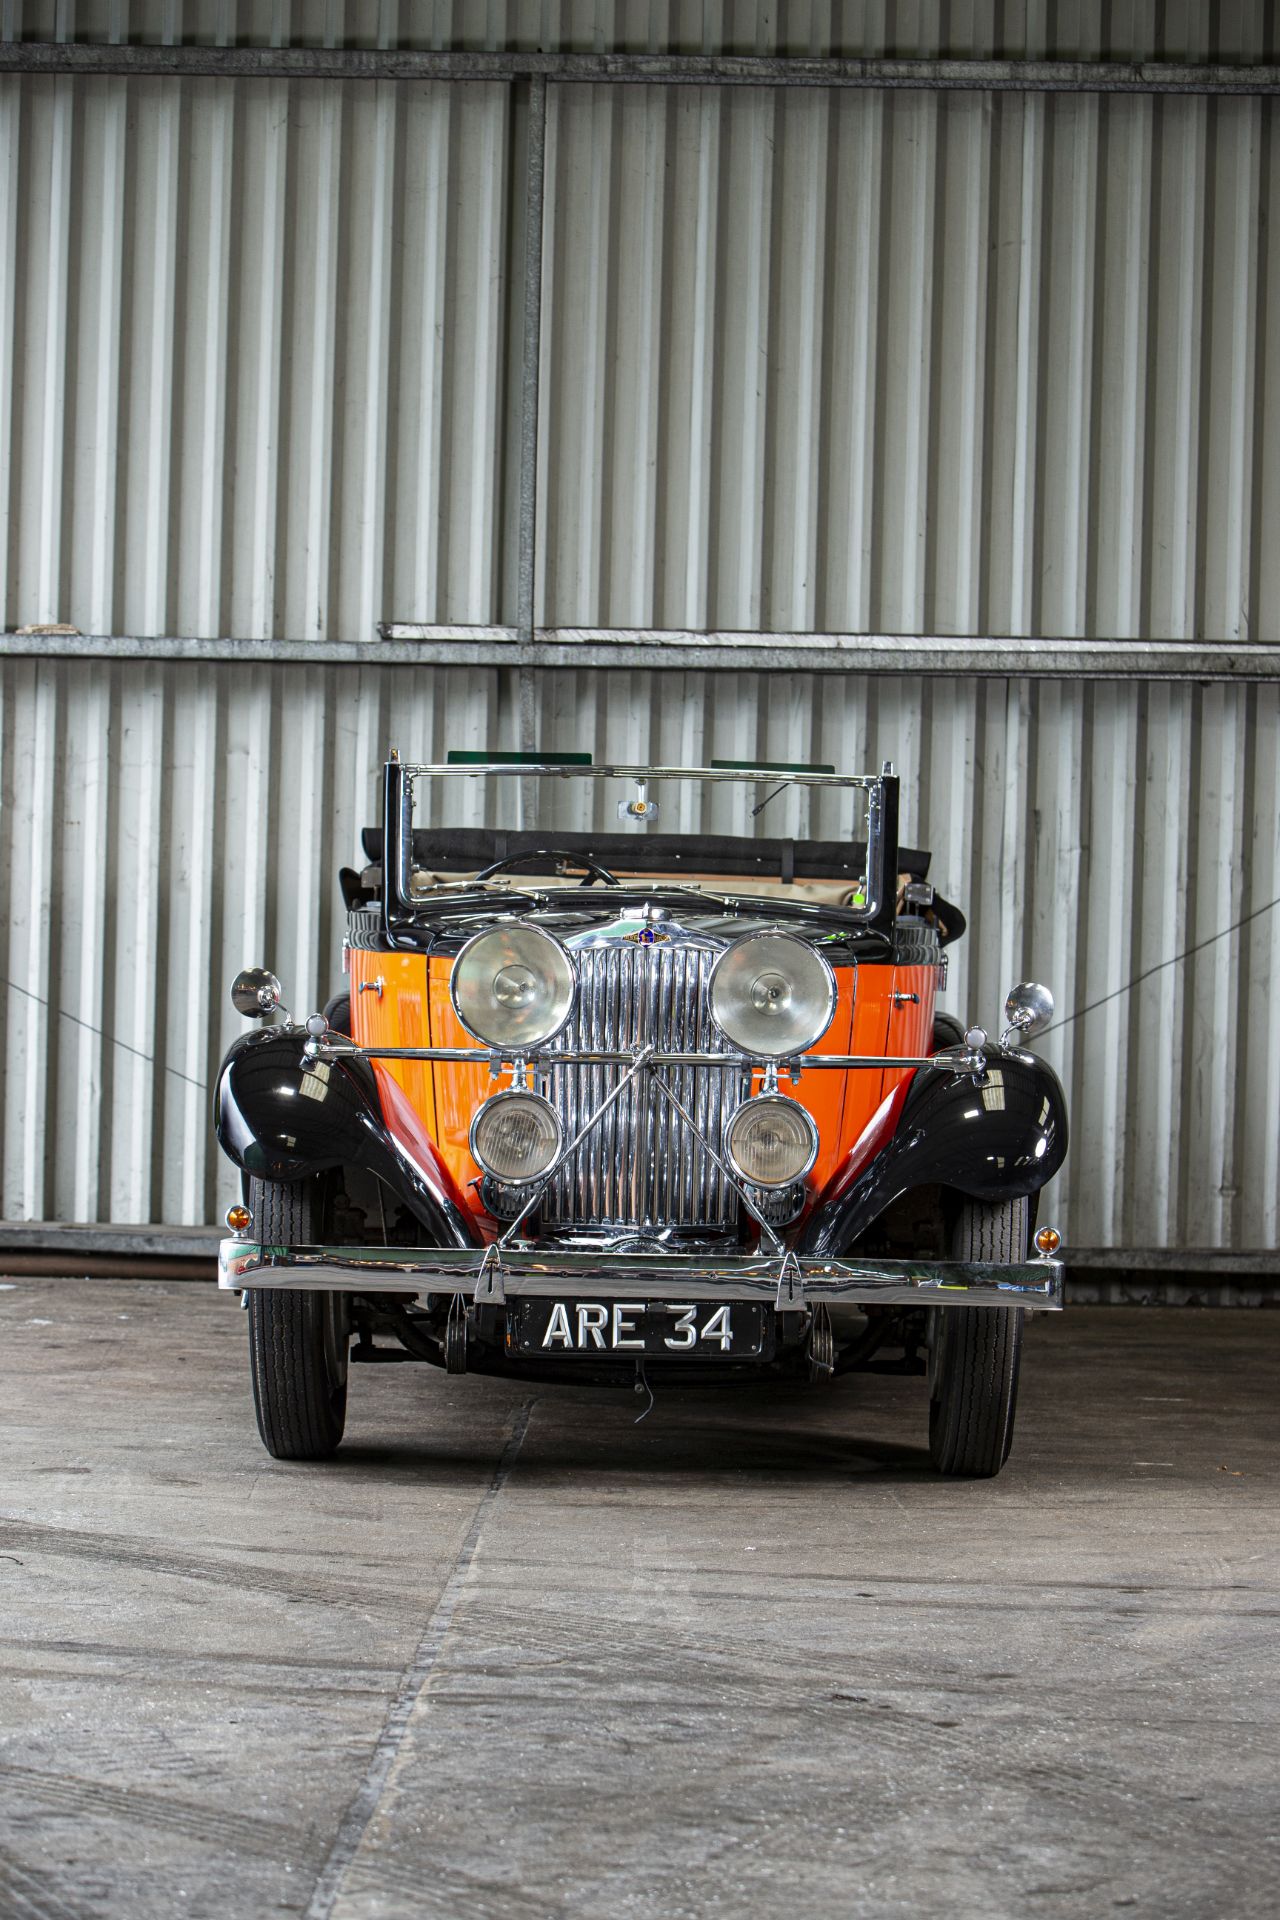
790, 1295
490, 1290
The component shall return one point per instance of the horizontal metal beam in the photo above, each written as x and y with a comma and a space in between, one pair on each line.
623, 649
1206, 1263
97, 1241
645, 69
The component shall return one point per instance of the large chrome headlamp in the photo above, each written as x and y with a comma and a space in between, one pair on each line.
513, 987
772, 994
516, 1136
771, 1141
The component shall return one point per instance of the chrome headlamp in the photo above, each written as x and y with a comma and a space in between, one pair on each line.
772, 994
771, 1141
516, 1136
513, 987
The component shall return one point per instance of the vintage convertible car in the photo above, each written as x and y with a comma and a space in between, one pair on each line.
625, 1105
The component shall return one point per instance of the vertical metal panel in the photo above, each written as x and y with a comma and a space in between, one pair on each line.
30, 718
255, 342
978, 364
1257, 1109
10, 176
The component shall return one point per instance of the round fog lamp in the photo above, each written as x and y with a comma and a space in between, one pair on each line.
772, 994
516, 1135
513, 987
771, 1141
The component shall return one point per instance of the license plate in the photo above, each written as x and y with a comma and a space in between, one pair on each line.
693, 1330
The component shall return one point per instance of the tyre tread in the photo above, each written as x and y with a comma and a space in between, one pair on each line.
947, 1031
971, 1420
298, 1417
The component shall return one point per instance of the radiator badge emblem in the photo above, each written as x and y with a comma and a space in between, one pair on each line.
646, 937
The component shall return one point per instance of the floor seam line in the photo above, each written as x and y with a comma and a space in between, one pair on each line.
359, 1814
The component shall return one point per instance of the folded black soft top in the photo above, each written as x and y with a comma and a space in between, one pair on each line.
467, 849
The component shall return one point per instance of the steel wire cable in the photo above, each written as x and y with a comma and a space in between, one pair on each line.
1159, 967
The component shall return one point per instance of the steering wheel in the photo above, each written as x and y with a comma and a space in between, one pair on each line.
594, 870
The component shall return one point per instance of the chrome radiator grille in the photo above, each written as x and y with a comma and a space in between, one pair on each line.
641, 1166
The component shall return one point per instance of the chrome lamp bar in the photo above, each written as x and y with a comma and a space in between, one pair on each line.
951, 1062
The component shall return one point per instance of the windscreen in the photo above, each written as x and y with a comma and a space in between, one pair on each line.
711, 811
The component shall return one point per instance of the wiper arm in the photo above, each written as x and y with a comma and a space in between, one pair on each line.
493, 897
770, 796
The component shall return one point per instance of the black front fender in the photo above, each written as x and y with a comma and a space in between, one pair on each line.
1000, 1138
281, 1117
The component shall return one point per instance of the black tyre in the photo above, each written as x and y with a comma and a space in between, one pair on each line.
298, 1341
974, 1352
338, 1013
947, 1032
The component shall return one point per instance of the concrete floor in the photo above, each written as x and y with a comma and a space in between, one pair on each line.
512, 1655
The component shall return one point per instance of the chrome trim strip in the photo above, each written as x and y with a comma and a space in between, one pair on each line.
547, 1272
543, 1057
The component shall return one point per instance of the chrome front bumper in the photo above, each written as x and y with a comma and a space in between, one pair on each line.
786, 1281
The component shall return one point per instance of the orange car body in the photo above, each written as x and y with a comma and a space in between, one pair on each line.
402, 1000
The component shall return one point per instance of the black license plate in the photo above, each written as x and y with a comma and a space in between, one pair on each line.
688, 1330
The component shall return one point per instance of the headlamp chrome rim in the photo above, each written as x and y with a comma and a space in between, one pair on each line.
748, 1110
797, 1044
556, 956
529, 1099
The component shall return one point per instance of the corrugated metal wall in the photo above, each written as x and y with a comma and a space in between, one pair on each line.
815, 360
954, 364
252, 339
163, 824
906, 363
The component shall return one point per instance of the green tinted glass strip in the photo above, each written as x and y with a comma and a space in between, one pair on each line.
766, 766
459, 757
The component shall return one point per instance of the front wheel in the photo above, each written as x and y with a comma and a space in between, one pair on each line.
974, 1352
298, 1341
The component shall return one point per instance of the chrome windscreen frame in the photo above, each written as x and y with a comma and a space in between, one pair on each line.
403, 904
